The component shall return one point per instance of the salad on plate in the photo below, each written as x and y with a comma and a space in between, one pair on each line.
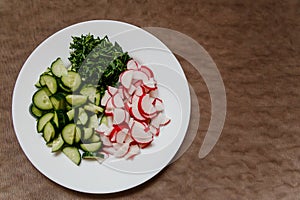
104, 104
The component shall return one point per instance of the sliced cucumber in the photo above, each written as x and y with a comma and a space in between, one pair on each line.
43, 121
71, 114
91, 147
82, 116
93, 122
72, 80
93, 155
63, 87
93, 108
48, 132
87, 133
58, 68
35, 112
76, 100
58, 101
73, 154
55, 120
94, 138
68, 133
97, 99
90, 92
57, 143
71, 134
41, 100
62, 118
49, 81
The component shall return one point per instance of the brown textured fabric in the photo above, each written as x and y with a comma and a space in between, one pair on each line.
256, 47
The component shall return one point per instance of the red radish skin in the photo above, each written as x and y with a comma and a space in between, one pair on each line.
147, 71
117, 101
112, 90
139, 135
132, 64
145, 107
133, 151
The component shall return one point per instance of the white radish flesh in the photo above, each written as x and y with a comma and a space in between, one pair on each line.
105, 98
126, 78
119, 116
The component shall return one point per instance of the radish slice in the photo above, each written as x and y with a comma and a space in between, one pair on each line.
102, 128
158, 104
108, 131
119, 116
160, 120
117, 101
139, 91
105, 98
132, 64
139, 75
153, 93
109, 150
147, 71
105, 140
109, 104
122, 150
131, 89
133, 151
154, 131
142, 146
121, 136
134, 112
112, 90
145, 106
126, 78
139, 135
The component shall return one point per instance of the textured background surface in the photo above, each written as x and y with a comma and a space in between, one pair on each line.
256, 47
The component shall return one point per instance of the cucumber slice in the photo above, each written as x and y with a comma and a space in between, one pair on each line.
71, 114
57, 143
77, 135
41, 100
73, 154
48, 132
62, 118
58, 68
90, 92
92, 155
58, 101
72, 80
94, 138
93, 122
76, 100
71, 134
93, 108
35, 112
97, 99
64, 88
87, 133
82, 116
43, 121
91, 147
68, 133
49, 81
55, 120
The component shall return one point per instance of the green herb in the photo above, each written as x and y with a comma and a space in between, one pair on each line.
98, 61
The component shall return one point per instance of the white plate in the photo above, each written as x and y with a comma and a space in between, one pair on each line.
114, 174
